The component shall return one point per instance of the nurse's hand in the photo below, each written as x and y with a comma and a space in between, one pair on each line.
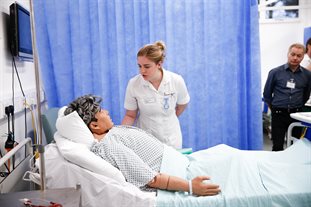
202, 187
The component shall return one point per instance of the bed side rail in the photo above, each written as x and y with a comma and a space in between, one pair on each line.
13, 180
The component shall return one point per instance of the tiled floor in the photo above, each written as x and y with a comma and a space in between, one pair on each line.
267, 143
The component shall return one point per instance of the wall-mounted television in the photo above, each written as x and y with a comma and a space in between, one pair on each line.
20, 32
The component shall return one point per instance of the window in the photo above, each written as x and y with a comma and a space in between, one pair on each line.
278, 9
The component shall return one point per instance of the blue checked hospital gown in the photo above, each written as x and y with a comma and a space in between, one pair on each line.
136, 153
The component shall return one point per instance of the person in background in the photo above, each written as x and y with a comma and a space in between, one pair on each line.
136, 153
306, 63
156, 97
286, 91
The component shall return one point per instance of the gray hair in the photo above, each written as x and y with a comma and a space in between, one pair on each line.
86, 106
297, 45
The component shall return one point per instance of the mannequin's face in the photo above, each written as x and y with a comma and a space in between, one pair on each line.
103, 123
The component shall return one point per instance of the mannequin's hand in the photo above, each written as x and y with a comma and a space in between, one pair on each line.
203, 188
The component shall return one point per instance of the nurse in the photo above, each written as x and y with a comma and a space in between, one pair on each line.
156, 97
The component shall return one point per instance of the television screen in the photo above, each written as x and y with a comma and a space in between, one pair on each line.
21, 44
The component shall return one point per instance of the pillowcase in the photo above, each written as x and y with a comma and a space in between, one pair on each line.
74, 139
72, 127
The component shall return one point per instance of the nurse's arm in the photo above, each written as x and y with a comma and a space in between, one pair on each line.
180, 109
129, 117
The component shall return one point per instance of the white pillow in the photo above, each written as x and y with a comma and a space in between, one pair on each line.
74, 139
72, 127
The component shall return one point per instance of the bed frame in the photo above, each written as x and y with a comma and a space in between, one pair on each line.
303, 121
12, 181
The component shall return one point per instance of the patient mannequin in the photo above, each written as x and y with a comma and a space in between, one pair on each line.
136, 153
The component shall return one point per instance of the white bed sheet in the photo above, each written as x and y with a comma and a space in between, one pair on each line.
96, 190
247, 178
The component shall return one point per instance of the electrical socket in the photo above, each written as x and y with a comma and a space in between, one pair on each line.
19, 101
4, 103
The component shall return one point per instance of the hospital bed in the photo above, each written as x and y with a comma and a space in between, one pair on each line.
246, 178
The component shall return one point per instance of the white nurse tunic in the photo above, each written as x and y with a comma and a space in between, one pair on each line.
156, 108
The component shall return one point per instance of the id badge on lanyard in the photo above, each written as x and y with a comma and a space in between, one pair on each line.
166, 104
166, 100
290, 84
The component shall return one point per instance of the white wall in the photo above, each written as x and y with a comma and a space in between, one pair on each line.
27, 76
277, 36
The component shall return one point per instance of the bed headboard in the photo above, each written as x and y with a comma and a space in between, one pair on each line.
48, 123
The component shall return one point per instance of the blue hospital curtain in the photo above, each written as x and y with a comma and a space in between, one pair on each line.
90, 47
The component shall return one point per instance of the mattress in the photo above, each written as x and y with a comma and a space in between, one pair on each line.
246, 178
